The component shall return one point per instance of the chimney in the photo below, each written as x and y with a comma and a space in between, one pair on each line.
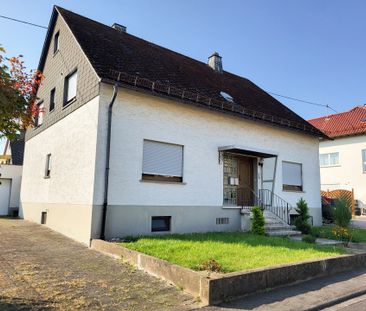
119, 27
215, 62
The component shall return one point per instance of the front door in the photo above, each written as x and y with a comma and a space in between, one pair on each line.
246, 181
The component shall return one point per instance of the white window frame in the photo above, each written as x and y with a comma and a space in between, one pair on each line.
48, 166
67, 99
288, 187
56, 42
328, 156
152, 175
40, 116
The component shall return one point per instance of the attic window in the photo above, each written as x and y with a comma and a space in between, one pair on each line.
56, 42
227, 97
363, 119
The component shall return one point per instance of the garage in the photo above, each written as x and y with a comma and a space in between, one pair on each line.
5, 185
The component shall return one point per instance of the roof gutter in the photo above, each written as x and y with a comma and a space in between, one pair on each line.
108, 152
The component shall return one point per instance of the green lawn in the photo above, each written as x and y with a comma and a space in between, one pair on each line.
358, 235
233, 251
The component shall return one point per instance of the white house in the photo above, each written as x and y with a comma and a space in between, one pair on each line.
343, 159
11, 162
137, 139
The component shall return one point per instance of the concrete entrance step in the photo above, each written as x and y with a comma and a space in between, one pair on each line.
283, 233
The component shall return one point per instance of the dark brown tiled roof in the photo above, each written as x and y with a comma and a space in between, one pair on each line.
347, 123
112, 52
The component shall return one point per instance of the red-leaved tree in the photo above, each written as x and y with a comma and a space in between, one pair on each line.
18, 98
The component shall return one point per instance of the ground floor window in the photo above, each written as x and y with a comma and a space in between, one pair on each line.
292, 176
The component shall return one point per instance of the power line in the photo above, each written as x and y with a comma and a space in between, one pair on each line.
23, 22
300, 100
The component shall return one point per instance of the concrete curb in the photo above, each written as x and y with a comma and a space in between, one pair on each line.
215, 289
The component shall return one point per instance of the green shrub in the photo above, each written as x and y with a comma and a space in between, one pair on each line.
258, 221
302, 220
342, 213
309, 239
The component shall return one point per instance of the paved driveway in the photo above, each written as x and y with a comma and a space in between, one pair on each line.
43, 270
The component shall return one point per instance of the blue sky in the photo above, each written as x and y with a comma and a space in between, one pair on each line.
309, 49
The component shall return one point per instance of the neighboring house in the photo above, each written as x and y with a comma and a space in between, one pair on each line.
343, 159
190, 144
10, 176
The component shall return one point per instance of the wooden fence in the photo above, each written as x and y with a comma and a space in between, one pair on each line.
341, 193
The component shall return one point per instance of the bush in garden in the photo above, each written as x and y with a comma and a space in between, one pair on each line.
258, 221
302, 220
342, 213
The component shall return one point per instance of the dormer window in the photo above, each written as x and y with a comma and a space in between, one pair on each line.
227, 97
56, 42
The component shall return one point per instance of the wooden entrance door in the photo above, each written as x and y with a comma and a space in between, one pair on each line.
246, 181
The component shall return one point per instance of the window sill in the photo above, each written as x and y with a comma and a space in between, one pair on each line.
55, 53
330, 166
69, 103
296, 191
231, 207
163, 182
46, 177
52, 110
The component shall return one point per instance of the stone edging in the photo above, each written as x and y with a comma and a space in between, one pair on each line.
215, 289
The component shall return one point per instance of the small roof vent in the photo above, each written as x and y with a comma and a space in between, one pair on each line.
227, 97
119, 27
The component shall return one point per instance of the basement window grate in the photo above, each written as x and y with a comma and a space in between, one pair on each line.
222, 221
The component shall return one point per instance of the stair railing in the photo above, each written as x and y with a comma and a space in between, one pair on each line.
275, 204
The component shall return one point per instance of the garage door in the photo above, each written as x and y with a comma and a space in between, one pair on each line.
4, 196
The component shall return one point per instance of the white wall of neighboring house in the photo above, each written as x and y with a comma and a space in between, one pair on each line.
195, 204
10, 178
67, 196
349, 173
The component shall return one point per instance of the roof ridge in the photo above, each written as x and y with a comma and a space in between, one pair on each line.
149, 42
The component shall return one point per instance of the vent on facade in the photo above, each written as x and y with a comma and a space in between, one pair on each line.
43, 218
215, 62
119, 27
222, 221
227, 97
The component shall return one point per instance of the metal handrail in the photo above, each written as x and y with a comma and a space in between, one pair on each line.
275, 204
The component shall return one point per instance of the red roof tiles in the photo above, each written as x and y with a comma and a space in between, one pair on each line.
347, 123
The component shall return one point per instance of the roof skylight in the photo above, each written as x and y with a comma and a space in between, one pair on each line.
227, 96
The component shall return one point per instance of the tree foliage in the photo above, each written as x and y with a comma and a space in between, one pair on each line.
302, 220
17, 95
258, 221
342, 212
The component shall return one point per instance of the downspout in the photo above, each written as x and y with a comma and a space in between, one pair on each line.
108, 152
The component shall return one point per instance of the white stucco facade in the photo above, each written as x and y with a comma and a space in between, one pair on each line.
348, 174
198, 201
67, 196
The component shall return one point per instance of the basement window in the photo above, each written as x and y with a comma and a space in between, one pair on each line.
292, 176
162, 161
160, 223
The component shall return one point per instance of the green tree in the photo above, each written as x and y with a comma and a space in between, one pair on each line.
258, 221
342, 212
302, 220
17, 95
